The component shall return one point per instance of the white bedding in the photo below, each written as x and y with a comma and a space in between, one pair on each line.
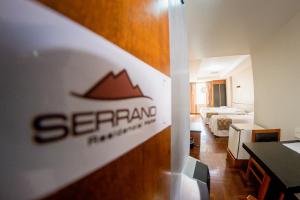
213, 122
220, 110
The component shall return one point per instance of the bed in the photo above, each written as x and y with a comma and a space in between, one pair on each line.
219, 124
208, 112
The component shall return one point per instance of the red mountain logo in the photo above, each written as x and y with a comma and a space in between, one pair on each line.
113, 87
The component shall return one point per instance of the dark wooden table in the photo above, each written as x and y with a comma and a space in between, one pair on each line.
280, 163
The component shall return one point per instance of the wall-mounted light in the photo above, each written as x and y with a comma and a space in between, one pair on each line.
238, 86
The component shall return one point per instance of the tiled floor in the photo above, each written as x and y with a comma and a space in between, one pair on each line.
226, 182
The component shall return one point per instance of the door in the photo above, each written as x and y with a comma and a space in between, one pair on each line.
139, 27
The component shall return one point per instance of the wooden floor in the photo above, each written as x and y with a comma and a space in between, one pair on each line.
226, 182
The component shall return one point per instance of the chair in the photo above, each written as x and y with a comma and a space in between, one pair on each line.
262, 177
265, 135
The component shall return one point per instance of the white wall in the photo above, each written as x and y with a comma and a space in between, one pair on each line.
276, 66
242, 87
180, 94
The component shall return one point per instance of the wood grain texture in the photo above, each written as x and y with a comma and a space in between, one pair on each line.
138, 26
139, 174
141, 28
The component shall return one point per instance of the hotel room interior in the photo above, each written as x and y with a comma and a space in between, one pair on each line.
150, 99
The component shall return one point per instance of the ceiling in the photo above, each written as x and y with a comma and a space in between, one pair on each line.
233, 27
214, 68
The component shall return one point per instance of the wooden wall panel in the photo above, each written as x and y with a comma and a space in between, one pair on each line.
141, 28
139, 174
138, 26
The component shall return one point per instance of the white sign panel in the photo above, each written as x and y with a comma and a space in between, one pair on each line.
70, 101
